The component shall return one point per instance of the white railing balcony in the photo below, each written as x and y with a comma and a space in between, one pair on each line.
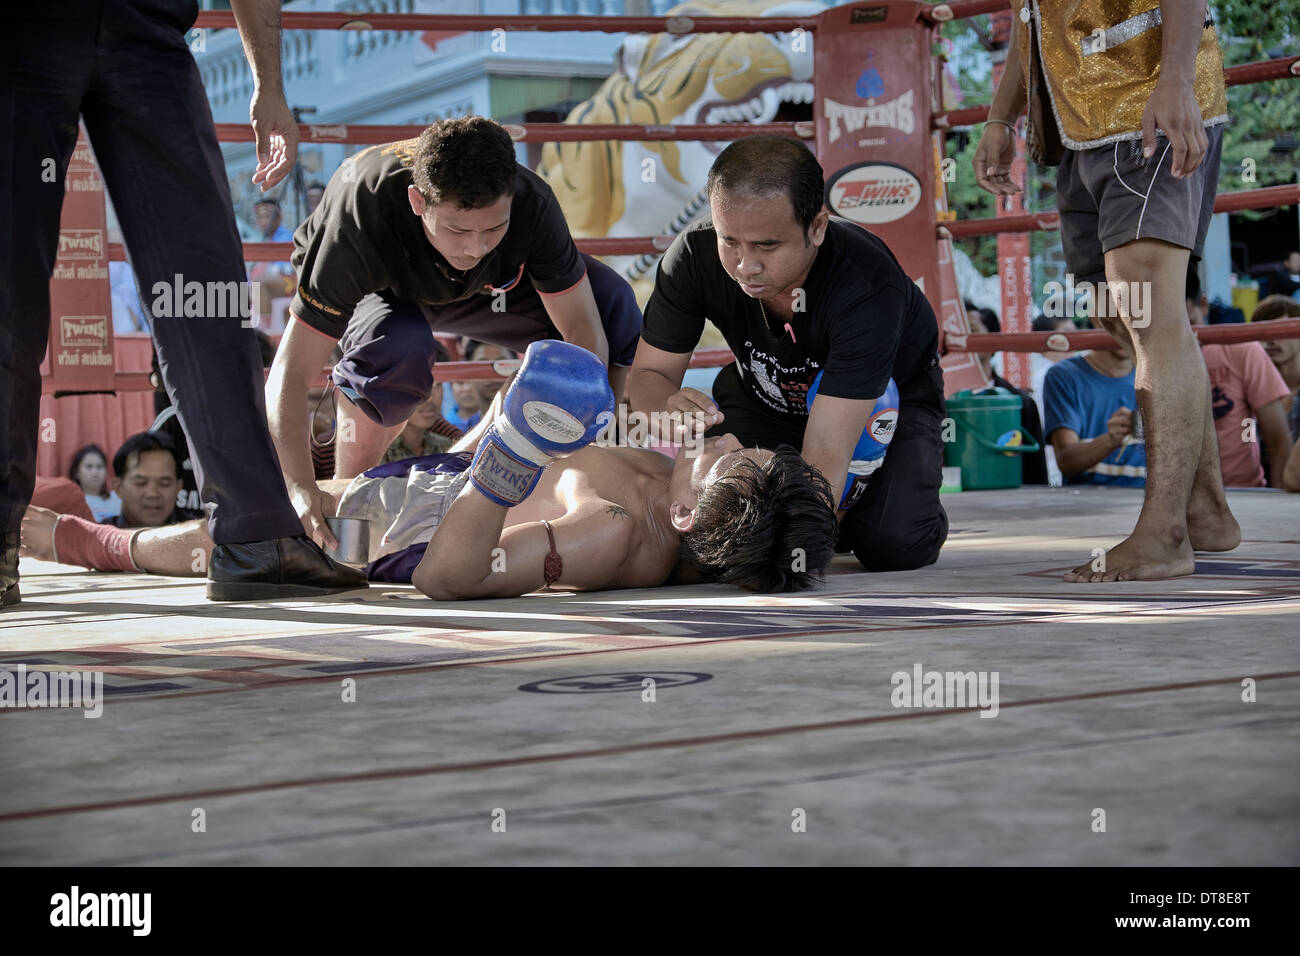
340, 66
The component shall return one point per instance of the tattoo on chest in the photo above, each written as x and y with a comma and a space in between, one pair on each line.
616, 510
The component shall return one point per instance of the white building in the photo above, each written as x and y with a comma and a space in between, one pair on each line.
387, 77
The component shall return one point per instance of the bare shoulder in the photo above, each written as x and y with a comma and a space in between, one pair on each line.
610, 545
617, 458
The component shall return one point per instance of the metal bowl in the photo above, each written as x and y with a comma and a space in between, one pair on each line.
353, 535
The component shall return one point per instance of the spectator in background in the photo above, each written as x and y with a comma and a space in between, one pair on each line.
147, 475
322, 420
1090, 400
268, 216
471, 399
1249, 400
276, 280
1285, 280
426, 431
168, 424
975, 323
1284, 353
1039, 365
1035, 465
315, 191
89, 470
1040, 362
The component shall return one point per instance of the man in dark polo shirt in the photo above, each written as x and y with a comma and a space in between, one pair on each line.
796, 292
445, 233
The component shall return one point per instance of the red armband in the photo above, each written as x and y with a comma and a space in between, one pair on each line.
89, 545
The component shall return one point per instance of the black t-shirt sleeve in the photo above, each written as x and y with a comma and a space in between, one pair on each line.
863, 344
553, 261
675, 312
337, 266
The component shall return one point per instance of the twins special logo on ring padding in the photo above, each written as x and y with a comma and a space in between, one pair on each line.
609, 683
872, 193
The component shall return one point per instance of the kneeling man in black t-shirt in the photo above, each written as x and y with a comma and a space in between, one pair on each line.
797, 292
446, 233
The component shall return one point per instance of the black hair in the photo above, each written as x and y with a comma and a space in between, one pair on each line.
129, 454
468, 160
268, 201
765, 528
81, 453
468, 347
764, 166
1045, 323
990, 319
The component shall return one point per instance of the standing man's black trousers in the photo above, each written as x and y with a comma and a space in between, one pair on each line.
124, 67
899, 524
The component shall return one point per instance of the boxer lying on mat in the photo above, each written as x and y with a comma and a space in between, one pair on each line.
524, 503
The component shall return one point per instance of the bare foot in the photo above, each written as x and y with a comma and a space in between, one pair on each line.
1212, 530
1137, 558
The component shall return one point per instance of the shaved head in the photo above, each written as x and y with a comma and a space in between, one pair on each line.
761, 167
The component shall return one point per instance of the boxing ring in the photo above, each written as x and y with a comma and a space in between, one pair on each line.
692, 725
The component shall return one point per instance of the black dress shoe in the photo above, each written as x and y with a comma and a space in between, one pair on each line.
9, 541
275, 569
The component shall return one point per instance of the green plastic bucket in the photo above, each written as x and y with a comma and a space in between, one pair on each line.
987, 439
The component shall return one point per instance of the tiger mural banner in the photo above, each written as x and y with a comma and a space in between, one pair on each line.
866, 85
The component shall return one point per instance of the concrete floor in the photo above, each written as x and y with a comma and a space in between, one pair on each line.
1121, 698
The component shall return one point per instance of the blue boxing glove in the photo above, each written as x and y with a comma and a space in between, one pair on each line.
558, 403
869, 453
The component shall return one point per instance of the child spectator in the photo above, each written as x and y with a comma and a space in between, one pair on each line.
471, 399
426, 431
1250, 401
1090, 400
89, 470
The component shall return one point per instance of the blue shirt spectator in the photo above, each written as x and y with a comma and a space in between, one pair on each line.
1080, 402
